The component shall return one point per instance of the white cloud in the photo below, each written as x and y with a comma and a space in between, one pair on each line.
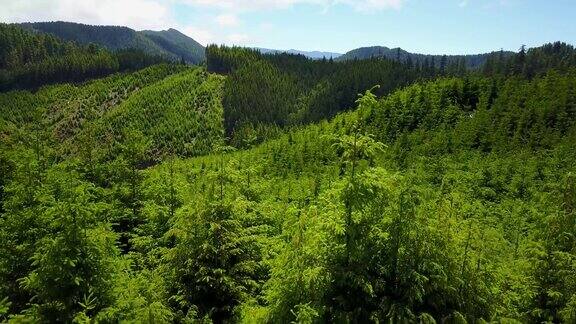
137, 14
201, 35
251, 5
158, 14
248, 5
227, 20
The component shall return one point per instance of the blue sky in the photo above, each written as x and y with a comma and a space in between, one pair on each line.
424, 26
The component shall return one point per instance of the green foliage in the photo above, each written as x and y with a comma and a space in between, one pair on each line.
532, 62
450, 63
181, 115
267, 91
169, 44
215, 263
456, 113
4, 308
67, 253
448, 201
177, 108
29, 60
140, 297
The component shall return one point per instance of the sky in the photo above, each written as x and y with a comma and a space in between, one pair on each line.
419, 26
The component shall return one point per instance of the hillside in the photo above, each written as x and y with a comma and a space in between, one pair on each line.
422, 192
170, 43
180, 45
267, 92
176, 110
458, 190
29, 60
471, 61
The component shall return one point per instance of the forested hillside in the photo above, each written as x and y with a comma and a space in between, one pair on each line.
29, 60
450, 200
265, 93
531, 62
453, 62
169, 44
528, 62
264, 189
176, 110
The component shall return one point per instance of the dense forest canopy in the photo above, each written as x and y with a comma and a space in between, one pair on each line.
265, 91
29, 60
533, 61
473, 61
169, 44
264, 189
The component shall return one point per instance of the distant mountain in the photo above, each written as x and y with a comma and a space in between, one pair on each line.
170, 43
175, 42
315, 55
29, 60
472, 61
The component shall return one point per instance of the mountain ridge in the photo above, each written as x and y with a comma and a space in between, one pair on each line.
170, 43
472, 61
